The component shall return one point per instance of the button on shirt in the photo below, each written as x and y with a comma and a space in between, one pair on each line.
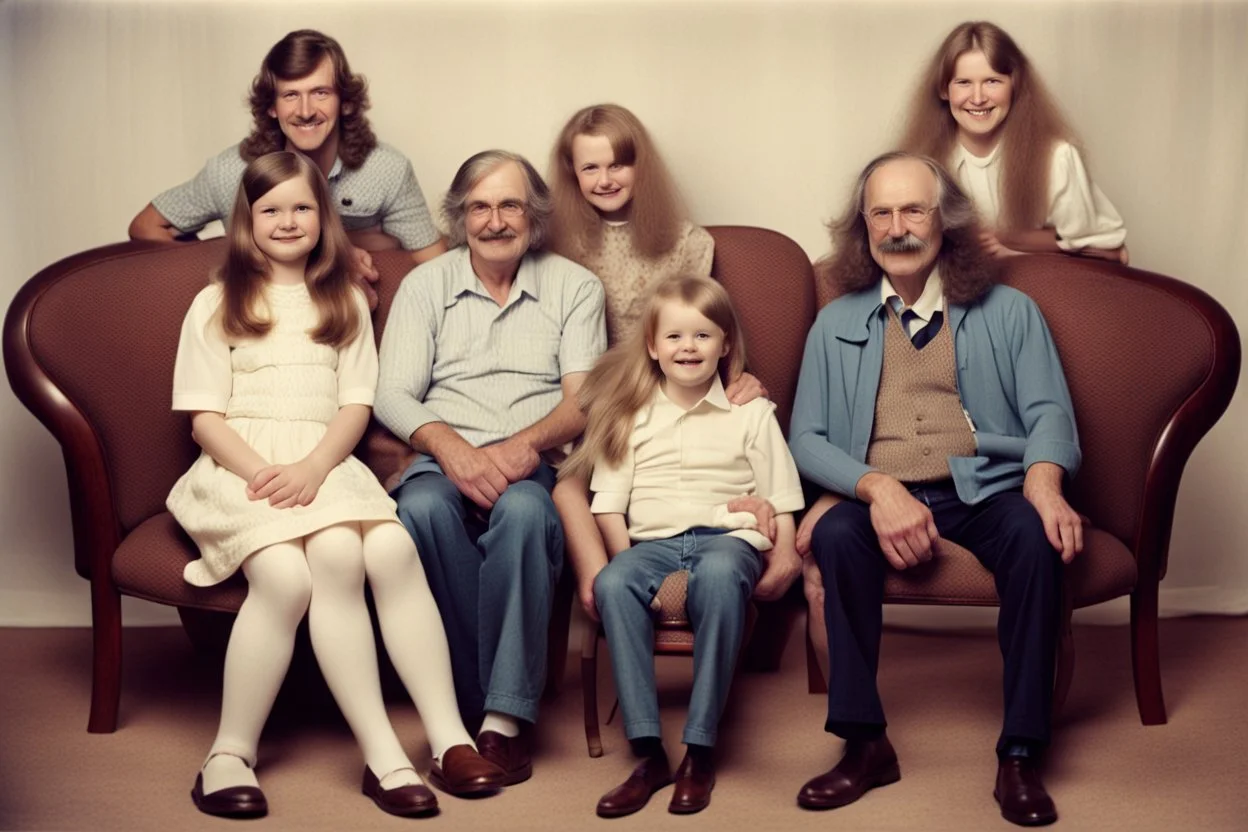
450, 353
683, 467
381, 192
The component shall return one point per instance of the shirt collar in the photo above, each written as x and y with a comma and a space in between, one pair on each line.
661, 407
929, 302
336, 168
465, 279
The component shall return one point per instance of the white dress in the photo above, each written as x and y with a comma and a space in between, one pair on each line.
1078, 210
279, 392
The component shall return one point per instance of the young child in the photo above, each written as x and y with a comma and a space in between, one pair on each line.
668, 453
983, 112
618, 213
277, 365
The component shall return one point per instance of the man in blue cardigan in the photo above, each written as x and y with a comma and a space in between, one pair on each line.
934, 402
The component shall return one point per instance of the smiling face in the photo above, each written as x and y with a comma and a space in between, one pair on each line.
688, 346
496, 221
905, 249
605, 183
979, 99
286, 222
307, 109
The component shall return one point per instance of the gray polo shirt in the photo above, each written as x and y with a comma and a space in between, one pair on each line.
381, 192
450, 353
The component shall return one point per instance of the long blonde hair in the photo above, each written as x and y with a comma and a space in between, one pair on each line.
328, 270
625, 377
656, 214
1031, 129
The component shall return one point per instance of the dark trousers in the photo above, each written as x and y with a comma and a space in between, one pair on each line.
1007, 536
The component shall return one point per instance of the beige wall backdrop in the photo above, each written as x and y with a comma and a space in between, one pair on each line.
765, 111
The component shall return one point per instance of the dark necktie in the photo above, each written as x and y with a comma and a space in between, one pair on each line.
927, 333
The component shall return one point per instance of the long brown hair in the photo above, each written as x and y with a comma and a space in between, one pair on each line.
297, 56
656, 214
625, 377
966, 271
1031, 128
328, 270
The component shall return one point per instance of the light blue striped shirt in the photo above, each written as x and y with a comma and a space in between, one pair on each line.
450, 353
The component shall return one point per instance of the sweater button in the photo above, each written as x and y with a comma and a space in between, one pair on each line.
919, 418
927, 452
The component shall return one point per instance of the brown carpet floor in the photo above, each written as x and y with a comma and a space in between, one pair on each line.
1106, 771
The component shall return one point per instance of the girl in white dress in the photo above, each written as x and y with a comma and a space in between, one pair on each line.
277, 365
618, 214
982, 111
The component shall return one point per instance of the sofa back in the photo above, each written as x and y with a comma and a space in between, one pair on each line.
104, 330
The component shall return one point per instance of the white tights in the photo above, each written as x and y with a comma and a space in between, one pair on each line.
323, 574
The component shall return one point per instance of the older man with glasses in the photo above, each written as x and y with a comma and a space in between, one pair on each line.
933, 403
484, 351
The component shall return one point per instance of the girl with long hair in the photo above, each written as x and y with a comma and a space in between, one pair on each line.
618, 213
668, 454
982, 111
277, 366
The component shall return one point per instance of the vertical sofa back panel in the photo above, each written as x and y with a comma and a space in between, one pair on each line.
1132, 354
107, 335
772, 286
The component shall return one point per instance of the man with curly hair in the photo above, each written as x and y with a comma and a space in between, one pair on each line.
933, 403
306, 99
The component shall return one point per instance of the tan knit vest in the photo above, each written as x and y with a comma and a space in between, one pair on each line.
919, 422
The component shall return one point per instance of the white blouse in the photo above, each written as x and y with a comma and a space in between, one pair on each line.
1079, 212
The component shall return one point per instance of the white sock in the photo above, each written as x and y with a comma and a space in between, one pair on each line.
412, 629
256, 660
342, 639
504, 724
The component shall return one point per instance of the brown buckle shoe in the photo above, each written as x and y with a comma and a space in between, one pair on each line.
511, 754
652, 774
230, 802
465, 773
1021, 794
411, 801
866, 765
694, 780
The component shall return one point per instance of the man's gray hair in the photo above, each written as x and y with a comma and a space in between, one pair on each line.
538, 207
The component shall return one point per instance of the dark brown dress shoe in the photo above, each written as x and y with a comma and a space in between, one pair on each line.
405, 801
694, 780
651, 775
866, 765
1021, 794
511, 754
231, 802
465, 773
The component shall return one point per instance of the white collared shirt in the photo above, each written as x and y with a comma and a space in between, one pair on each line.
682, 467
931, 301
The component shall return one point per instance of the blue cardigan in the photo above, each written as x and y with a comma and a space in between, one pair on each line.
1009, 377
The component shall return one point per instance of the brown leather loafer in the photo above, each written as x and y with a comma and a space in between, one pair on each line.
405, 801
1021, 794
511, 754
694, 780
866, 765
465, 773
651, 775
231, 802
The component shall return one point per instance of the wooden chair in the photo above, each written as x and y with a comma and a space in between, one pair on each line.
1151, 363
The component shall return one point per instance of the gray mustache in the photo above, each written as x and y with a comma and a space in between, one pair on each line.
502, 235
902, 245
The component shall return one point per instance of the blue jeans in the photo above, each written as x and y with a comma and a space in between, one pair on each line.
722, 573
493, 580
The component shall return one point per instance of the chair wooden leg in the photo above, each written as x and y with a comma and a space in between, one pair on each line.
816, 681
1145, 658
589, 688
1065, 657
106, 657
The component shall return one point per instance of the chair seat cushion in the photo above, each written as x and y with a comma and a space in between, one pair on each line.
1104, 570
668, 603
149, 562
